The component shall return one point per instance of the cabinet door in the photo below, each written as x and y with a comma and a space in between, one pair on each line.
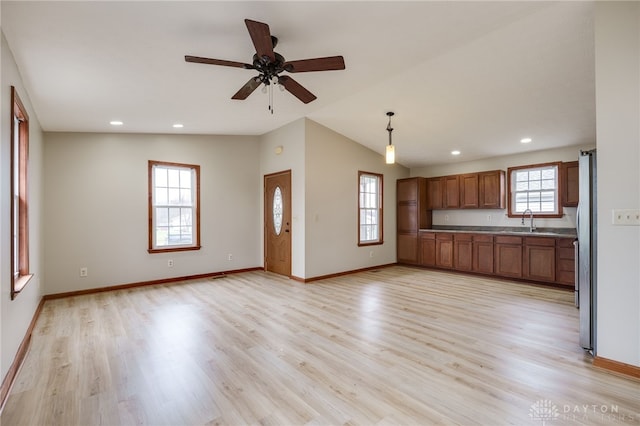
491, 190
540, 259
462, 252
451, 199
508, 256
570, 188
407, 249
407, 216
469, 191
434, 193
407, 189
428, 249
483, 254
444, 250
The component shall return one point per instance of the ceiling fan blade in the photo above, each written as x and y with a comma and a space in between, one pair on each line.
316, 64
261, 37
247, 89
222, 62
296, 89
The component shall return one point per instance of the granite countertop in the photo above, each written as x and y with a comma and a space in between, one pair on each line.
507, 230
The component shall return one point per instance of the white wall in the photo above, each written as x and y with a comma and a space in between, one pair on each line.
97, 216
291, 138
16, 315
617, 46
332, 165
498, 217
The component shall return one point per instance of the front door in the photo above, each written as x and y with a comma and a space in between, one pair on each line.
277, 223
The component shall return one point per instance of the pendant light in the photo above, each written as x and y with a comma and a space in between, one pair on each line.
391, 150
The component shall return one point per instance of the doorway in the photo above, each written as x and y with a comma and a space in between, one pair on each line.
277, 223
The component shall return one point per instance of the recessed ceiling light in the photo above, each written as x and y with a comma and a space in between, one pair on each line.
456, 152
525, 140
178, 126
116, 123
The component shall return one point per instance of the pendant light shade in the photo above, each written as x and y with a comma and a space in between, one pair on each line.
391, 154
391, 150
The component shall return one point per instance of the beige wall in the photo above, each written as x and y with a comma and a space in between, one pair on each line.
332, 165
16, 315
96, 207
618, 134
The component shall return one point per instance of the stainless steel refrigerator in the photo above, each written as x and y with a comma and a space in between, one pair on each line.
586, 265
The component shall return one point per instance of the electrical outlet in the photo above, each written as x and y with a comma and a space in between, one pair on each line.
488, 218
628, 217
371, 253
170, 263
446, 218
84, 271
230, 257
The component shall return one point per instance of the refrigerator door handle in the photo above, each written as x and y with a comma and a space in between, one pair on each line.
576, 273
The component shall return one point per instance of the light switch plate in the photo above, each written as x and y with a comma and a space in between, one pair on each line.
626, 217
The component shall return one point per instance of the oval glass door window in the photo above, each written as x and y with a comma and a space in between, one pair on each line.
277, 210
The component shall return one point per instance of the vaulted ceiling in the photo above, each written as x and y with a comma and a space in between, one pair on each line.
471, 76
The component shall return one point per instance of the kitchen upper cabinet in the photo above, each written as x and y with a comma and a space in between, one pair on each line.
569, 181
469, 191
539, 262
482, 254
451, 192
463, 252
491, 190
434, 193
444, 250
508, 256
411, 215
485, 190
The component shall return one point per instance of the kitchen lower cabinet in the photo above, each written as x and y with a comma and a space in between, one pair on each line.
565, 262
444, 250
539, 261
428, 248
508, 256
407, 248
544, 259
482, 254
463, 252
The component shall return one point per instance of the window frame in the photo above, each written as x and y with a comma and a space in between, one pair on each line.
195, 205
558, 190
20, 275
380, 209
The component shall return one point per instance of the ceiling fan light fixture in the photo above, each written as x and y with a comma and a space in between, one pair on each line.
390, 156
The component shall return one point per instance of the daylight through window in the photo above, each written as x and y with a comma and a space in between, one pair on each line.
369, 208
174, 206
534, 188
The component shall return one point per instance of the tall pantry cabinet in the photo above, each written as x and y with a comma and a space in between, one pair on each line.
412, 215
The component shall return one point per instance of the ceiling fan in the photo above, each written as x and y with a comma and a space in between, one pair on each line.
270, 65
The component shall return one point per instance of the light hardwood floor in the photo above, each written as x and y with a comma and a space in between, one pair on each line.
394, 346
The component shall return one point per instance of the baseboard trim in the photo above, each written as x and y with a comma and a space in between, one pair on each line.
617, 367
8, 380
339, 274
148, 283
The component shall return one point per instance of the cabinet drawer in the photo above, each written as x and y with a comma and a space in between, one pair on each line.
565, 242
444, 236
426, 235
540, 241
483, 238
508, 239
463, 237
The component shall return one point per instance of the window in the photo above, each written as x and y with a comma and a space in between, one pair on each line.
536, 188
19, 200
369, 208
174, 212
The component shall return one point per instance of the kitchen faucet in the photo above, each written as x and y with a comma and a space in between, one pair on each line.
531, 227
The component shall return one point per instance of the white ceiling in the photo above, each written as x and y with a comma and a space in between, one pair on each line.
474, 76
